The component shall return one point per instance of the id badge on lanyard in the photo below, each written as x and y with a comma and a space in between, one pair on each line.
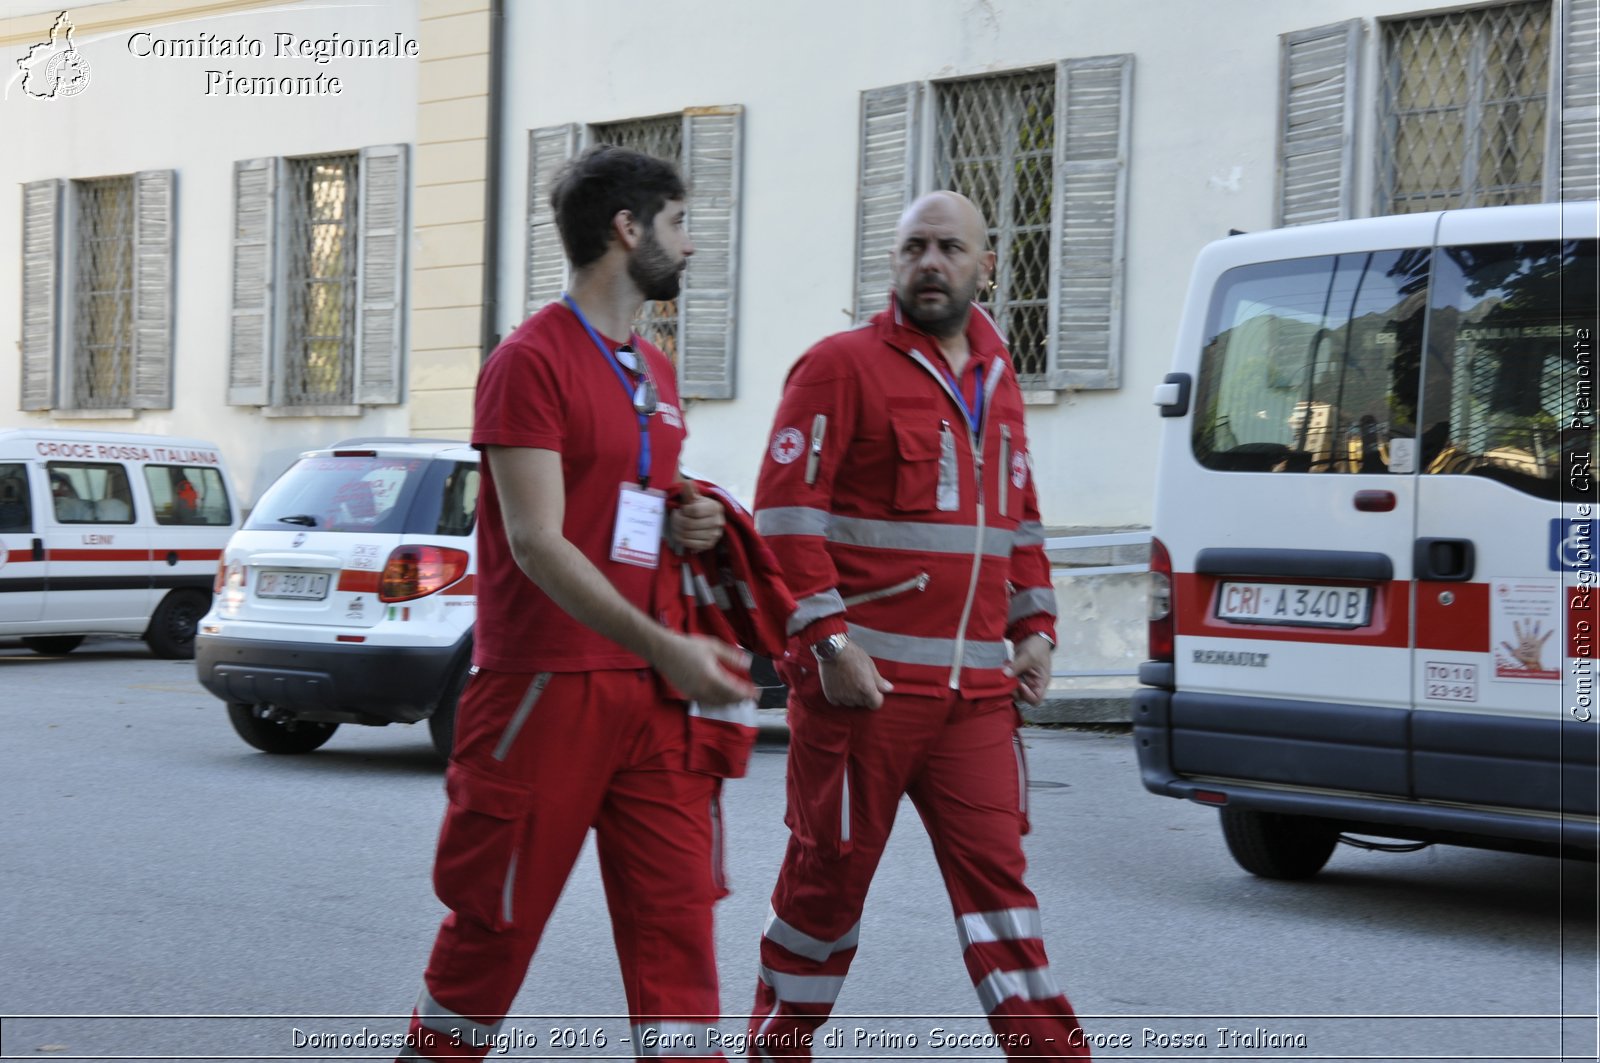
641, 515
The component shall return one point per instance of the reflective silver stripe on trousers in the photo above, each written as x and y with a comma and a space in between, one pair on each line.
1035, 983
671, 1039
909, 649
813, 608
520, 717
440, 1019
1008, 924
1032, 602
740, 712
803, 988
802, 944
1028, 533
883, 534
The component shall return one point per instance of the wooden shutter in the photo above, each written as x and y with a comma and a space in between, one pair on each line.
1579, 93
886, 186
1316, 123
1093, 101
548, 148
707, 319
41, 224
251, 335
380, 274
153, 253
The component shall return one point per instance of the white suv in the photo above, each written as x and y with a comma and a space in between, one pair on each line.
348, 595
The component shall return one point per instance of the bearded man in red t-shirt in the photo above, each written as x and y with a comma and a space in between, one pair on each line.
574, 715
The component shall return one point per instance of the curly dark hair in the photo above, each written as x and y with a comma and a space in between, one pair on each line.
590, 189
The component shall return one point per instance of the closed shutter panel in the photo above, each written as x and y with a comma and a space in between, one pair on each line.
153, 251
41, 222
706, 309
1316, 123
380, 277
548, 149
1580, 101
250, 339
889, 123
1092, 106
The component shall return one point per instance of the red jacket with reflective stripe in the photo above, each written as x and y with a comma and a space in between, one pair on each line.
895, 522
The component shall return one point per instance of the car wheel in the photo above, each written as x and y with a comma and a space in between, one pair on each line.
53, 645
272, 735
442, 724
172, 626
1277, 846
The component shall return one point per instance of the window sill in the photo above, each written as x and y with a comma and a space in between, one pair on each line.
116, 414
311, 411
1040, 397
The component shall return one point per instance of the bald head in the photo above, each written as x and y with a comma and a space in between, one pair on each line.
941, 258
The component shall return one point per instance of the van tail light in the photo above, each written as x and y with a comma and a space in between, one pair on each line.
1161, 618
418, 571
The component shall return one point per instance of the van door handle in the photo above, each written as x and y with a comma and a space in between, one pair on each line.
172, 557
38, 549
1443, 560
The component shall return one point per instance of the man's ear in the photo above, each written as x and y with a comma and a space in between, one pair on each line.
625, 227
988, 267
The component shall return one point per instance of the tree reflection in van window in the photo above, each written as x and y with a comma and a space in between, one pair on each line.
1510, 377
1310, 365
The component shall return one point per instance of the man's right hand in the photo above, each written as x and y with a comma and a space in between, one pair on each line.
852, 681
699, 667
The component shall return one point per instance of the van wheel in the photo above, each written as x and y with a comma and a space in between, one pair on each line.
172, 626
53, 645
1273, 845
277, 736
442, 724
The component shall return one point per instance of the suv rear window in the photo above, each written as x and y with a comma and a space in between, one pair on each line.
371, 494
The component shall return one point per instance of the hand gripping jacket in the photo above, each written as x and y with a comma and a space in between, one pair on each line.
898, 523
733, 592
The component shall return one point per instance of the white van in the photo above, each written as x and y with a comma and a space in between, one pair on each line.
109, 533
1376, 538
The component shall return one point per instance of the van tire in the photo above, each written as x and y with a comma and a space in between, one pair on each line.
53, 645
442, 724
172, 626
1273, 845
272, 736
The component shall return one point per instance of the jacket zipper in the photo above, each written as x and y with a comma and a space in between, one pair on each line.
976, 435
1005, 466
919, 582
819, 429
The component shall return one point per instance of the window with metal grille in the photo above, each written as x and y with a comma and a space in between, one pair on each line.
1464, 102
319, 351
102, 357
661, 137
995, 145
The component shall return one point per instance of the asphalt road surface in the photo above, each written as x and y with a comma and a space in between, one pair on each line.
169, 893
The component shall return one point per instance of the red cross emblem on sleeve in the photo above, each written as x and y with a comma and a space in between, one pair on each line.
787, 445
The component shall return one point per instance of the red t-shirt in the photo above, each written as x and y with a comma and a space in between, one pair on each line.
547, 386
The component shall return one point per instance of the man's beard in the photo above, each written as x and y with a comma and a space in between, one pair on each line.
653, 270
940, 323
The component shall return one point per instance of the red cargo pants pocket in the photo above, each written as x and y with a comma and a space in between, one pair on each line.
479, 845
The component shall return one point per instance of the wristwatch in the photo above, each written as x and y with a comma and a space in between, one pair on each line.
1048, 641
829, 648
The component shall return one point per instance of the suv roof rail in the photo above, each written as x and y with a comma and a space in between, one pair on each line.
360, 440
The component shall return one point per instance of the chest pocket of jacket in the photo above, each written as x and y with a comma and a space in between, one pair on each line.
926, 476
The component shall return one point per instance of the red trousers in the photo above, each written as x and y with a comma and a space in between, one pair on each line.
538, 761
962, 764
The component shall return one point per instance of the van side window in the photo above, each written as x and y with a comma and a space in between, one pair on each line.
1509, 384
183, 494
16, 515
84, 493
1310, 365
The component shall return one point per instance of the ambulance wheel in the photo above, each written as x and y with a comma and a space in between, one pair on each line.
1273, 845
53, 645
277, 736
442, 724
172, 626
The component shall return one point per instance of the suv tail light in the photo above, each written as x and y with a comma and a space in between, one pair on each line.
1161, 619
229, 574
418, 571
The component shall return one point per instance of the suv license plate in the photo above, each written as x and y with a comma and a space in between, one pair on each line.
311, 586
1304, 604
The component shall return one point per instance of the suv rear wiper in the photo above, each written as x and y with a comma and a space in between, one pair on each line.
300, 518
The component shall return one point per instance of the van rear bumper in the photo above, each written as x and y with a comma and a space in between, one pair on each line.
347, 684
1469, 779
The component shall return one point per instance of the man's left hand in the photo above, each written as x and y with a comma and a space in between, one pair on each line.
696, 524
1031, 665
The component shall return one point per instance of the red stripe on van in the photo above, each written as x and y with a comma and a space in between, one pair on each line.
351, 579
1462, 625
98, 555
1194, 595
464, 585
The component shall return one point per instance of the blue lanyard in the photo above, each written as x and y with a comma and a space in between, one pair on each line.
974, 415
627, 389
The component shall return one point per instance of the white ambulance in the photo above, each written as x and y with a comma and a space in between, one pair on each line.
1376, 538
109, 533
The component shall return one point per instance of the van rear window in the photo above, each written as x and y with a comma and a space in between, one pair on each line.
365, 494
